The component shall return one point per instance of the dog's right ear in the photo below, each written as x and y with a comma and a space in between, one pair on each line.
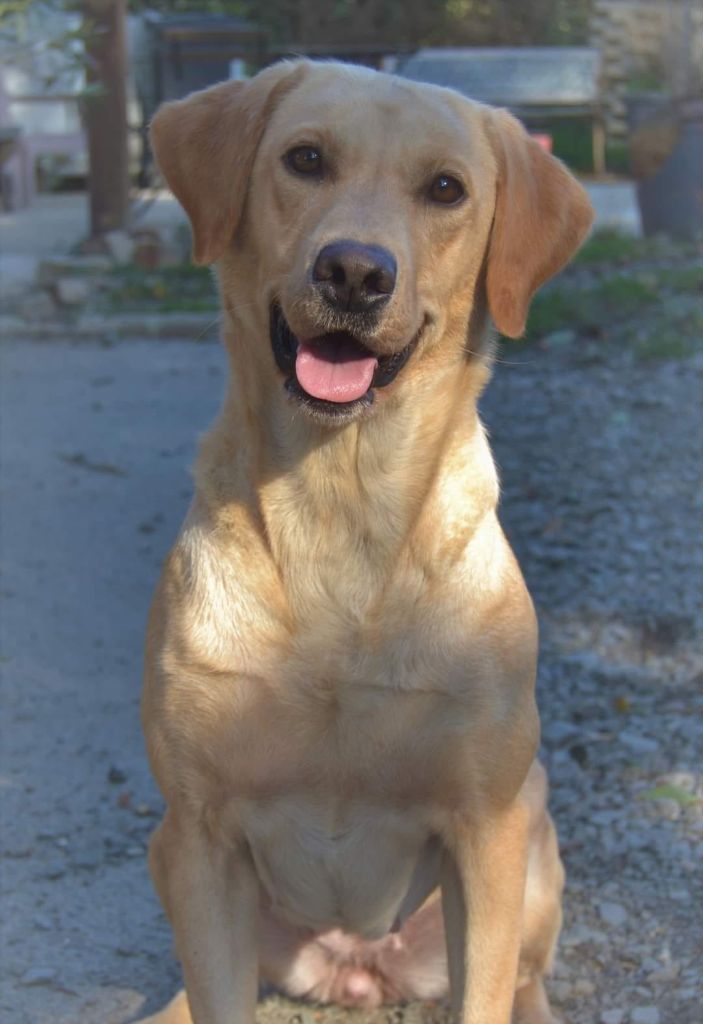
205, 146
542, 216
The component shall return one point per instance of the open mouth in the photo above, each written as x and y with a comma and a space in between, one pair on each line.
334, 374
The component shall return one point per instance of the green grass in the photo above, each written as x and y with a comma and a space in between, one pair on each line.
640, 293
181, 289
589, 309
611, 246
663, 344
624, 296
685, 280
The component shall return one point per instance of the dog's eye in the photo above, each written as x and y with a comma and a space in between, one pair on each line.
304, 160
446, 190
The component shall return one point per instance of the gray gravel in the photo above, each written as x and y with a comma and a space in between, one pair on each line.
602, 462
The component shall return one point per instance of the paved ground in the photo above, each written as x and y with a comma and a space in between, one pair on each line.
598, 437
602, 461
55, 223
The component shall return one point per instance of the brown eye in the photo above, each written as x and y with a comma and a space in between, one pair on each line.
446, 190
304, 160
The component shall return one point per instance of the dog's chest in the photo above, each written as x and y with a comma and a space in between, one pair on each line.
338, 793
324, 863
357, 740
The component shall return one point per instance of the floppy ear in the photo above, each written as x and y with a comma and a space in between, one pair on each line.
542, 216
205, 146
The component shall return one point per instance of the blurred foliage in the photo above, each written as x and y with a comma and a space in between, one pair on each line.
395, 24
392, 24
47, 38
643, 293
10, 8
180, 289
402, 23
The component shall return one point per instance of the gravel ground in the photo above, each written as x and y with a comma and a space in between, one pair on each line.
602, 461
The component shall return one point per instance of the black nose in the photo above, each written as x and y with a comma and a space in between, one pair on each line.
354, 277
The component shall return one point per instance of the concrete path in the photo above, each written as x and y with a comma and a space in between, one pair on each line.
57, 222
95, 447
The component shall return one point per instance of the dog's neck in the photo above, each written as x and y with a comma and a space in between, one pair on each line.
359, 491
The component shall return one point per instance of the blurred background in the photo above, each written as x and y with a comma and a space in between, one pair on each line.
611, 85
111, 366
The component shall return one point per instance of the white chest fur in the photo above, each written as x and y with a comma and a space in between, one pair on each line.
361, 868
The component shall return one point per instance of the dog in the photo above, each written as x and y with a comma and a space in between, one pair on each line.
339, 690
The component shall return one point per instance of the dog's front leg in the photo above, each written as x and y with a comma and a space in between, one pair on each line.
210, 893
483, 891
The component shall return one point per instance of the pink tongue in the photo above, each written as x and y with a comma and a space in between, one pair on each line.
335, 369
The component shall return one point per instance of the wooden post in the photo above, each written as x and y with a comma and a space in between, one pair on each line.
106, 115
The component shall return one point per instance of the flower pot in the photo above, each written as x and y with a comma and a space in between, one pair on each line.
666, 147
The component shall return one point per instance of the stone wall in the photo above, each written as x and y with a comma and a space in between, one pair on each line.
642, 44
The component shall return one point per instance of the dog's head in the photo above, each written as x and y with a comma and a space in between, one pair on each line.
359, 221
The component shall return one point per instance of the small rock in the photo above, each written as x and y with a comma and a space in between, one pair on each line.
54, 870
148, 247
665, 974
116, 776
685, 781
668, 809
48, 834
565, 336
561, 990
72, 291
580, 935
613, 914
120, 246
645, 1015
579, 752
638, 744
612, 1017
38, 976
560, 732
18, 852
86, 860
37, 306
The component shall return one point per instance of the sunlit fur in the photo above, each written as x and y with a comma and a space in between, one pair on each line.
339, 697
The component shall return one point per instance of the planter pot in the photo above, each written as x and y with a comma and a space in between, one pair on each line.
666, 146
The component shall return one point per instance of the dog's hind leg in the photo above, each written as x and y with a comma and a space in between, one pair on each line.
542, 913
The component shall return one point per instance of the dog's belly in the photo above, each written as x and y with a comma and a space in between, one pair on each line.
362, 869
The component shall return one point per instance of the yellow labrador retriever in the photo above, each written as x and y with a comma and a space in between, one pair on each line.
339, 701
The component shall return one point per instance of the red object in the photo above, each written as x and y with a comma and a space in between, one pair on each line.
545, 141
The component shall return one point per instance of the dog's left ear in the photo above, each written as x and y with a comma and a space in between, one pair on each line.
205, 146
542, 216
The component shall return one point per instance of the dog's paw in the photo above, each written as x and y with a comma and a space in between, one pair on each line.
531, 1005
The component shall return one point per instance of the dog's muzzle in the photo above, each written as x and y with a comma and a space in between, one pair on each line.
333, 375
